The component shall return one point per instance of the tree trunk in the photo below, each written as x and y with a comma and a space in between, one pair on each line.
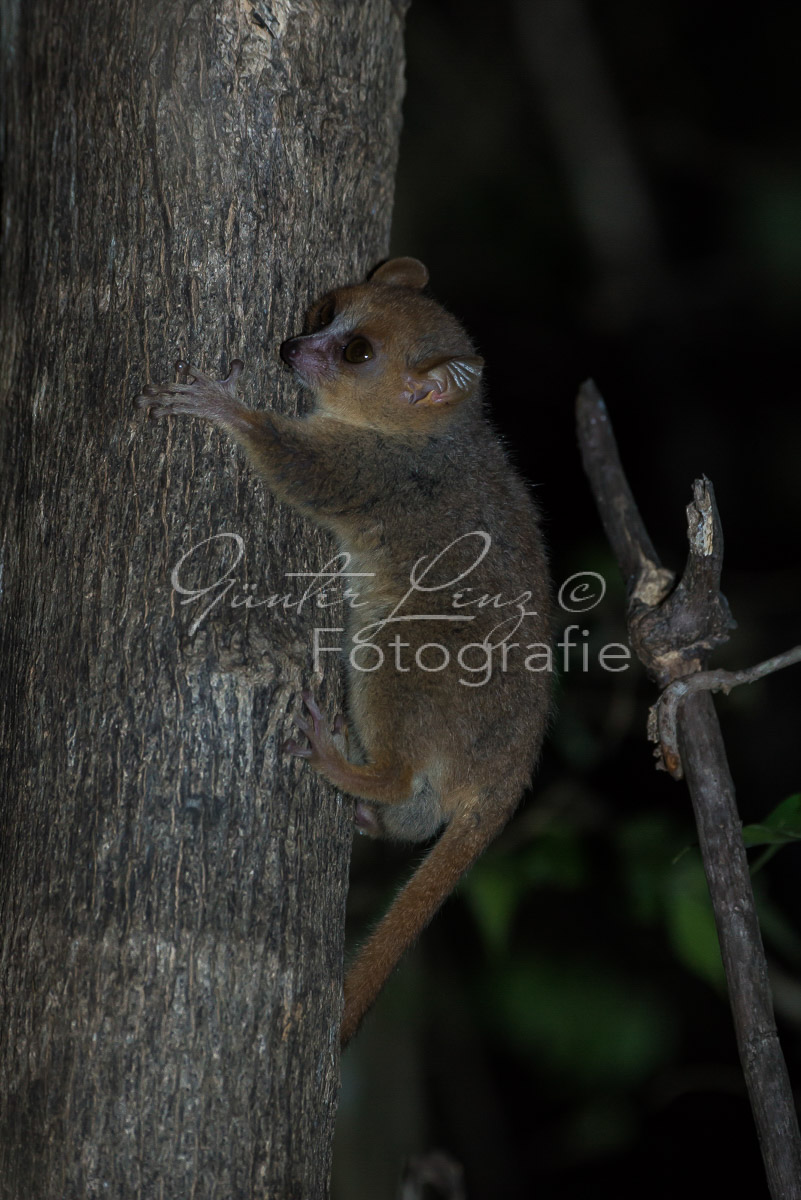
179, 179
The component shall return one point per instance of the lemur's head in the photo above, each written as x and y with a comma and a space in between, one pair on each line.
382, 354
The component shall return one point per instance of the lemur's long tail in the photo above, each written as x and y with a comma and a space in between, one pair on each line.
468, 834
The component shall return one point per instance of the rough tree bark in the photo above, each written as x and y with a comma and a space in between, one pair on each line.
178, 179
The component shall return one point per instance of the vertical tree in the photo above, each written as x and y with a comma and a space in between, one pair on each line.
178, 179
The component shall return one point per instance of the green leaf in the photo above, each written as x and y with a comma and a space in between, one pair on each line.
690, 921
585, 1021
779, 827
646, 846
497, 885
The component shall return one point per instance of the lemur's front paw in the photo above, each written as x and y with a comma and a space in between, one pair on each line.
194, 394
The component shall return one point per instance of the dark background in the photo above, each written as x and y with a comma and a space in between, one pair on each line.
605, 190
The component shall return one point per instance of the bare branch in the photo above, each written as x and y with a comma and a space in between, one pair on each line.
645, 578
673, 632
672, 628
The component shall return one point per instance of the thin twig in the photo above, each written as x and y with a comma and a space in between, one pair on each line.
667, 706
673, 630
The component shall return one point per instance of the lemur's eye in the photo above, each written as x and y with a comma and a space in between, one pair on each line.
324, 315
358, 350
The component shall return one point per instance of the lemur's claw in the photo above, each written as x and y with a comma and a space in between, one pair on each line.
295, 748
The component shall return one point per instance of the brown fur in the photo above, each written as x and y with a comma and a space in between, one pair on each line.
399, 462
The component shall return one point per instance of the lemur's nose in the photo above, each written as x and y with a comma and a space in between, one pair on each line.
289, 350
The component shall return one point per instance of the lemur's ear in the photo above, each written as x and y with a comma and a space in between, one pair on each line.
445, 381
401, 272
